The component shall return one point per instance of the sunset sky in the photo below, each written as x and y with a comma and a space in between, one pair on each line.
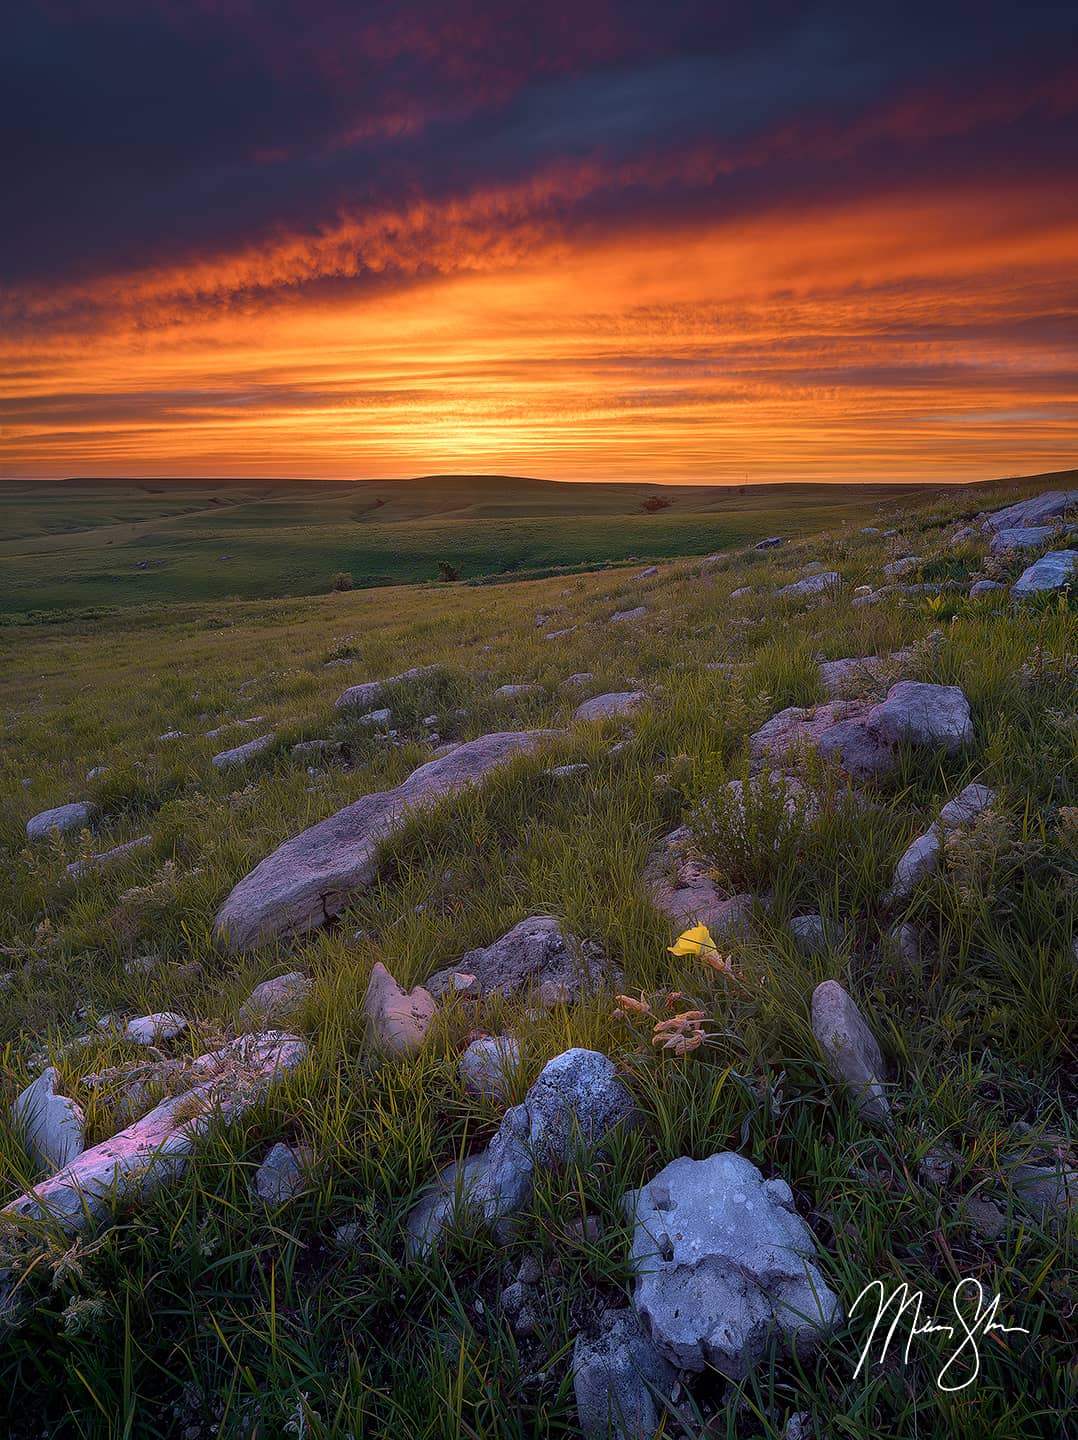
607, 239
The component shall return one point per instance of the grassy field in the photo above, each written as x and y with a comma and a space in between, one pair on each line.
202, 1314
79, 544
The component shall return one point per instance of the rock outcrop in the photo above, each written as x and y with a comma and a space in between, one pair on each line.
678, 884
723, 1266
1050, 572
1050, 506
311, 878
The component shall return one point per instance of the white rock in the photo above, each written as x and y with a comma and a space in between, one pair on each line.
487, 1066
55, 1125
65, 818
152, 1029
607, 707
78, 868
920, 714
850, 1048
240, 754
371, 691
1049, 506
620, 616
1050, 572
814, 584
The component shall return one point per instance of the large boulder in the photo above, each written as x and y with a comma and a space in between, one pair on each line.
157, 1148
535, 956
371, 691
65, 818
850, 1049
724, 1266
311, 878
1050, 572
920, 714
54, 1125
617, 1374
1050, 506
1024, 537
573, 1106
399, 1019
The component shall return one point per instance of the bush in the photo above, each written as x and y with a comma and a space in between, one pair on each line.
342, 580
654, 503
447, 572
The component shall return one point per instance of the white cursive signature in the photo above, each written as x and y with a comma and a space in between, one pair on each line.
982, 1322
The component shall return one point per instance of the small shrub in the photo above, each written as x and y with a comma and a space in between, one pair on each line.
342, 580
447, 572
655, 503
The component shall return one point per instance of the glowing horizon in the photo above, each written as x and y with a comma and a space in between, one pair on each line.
878, 285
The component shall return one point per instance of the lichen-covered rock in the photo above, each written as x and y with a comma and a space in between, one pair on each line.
918, 714
723, 1266
311, 878
536, 956
608, 707
1050, 572
54, 1124
65, 818
850, 1049
616, 1376
399, 1019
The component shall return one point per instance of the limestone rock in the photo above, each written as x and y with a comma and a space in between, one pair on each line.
819, 584
1046, 1190
240, 755
608, 707
621, 616
723, 1264
157, 1148
648, 573
984, 587
399, 1019
280, 1176
488, 1065
741, 592
535, 955
680, 888
516, 692
1050, 572
922, 856
65, 818
78, 868
616, 1376
920, 714
903, 566
377, 719
837, 730
575, 682
850, 1048
152, 1029
311, 878
1025, 537
274, 1001
769, 543
1049, 506
55, 1125
813, 935
371, 691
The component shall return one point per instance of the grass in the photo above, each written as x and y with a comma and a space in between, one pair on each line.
200, 1313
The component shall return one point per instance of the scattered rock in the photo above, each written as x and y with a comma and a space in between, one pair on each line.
55, 1125
535, 955
377, 719
680, 887
574, 1104
837, 730
280, 1176
637, 613
921, 858
487, 1066
741, 592
232, 725
1027, 537
518, 1305
1045, 1190
819, 584
516, 692
399, 1019
242, 753
93, 863
920, 714
157, 1148
799, 1427
967, 532
723, 1264
937, 1169
152, 1029
371, 691
1049, 506
607, 707
172, 735
65, 818
985, 1217
274, 1001
813, 935
563, 772
906, 939
97, 772
311, 878
616, 1376
984, 587
769, 543
903, 566
838, 676
648, 573
850, 1048
1050, 572
577, 681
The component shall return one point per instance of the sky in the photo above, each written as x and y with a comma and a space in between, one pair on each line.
649, 240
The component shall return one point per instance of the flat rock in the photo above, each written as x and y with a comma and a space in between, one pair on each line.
575, 682
152, 1029
488, 1065
616, 1375
680, 888
850, 1049
280, 1176
723, 1266
516, 692
376, 719
371, 691
920, 714
855, 672
157, 1148
240, 754
101, 861
65, 818
573, 1106
1041, 508
310, 879
274, 1001
621, 616
648, 573
1050, 572
769, 543
1025, 537
399, 1019
819, 584
55, 1125
985, 587
536, 957
607, 707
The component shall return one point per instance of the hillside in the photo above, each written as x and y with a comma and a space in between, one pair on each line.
89, 544
864, 1064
